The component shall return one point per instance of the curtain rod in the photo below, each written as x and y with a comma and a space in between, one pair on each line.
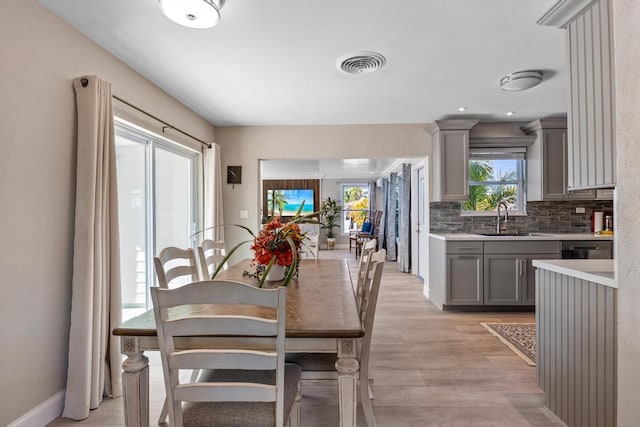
166, 125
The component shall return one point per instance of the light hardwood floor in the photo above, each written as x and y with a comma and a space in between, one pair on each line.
430, 368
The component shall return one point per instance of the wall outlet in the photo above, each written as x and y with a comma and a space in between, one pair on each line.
244, 214
580, 210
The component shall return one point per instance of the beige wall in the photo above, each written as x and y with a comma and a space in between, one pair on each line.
245, 146
40, 55
626, 15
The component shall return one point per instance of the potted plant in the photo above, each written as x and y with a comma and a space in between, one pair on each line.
330, 214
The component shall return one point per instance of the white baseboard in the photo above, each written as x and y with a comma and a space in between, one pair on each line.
42, 414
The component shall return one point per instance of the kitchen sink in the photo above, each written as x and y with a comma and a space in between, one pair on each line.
501, 234
512, 234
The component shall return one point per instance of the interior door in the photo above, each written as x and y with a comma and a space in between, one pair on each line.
423, 235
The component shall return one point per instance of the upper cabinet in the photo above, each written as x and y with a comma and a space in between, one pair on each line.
591, 115
547, 162
450, 156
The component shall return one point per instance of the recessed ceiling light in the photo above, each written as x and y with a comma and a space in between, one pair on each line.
510, 113
521, 80
462, 109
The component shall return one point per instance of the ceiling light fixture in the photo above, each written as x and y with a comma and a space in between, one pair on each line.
521, 80
510, 113
462, 109
198, 14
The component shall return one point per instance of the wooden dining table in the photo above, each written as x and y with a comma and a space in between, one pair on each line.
322, 316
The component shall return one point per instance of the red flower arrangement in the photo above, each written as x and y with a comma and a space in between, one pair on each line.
276, 243
277, 240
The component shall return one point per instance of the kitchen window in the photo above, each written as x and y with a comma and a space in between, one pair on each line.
157, 206
496, 176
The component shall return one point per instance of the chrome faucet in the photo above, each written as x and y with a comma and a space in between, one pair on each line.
506, 215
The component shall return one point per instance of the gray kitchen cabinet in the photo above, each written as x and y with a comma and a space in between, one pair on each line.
464, 279
502, 280
591, 115
547, 162
455, 272
509, 278
576, 326
529, 272
485, 272
591, 112
450, 157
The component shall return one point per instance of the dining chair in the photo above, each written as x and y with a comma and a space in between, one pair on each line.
363, 265
365, 230
240, 385
321, 366
362, 238
210, 254
176, 266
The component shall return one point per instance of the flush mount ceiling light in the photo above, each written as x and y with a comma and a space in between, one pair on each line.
199, 14
510, 113
520, 80
462, 109
361, 62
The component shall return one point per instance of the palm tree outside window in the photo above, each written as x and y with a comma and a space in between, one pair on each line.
494, 178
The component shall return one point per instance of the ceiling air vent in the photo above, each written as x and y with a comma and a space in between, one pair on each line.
361, 62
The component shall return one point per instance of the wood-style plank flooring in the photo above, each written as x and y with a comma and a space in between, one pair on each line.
430, 368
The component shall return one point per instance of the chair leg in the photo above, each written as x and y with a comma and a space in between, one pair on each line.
365, 400
164, 412
294, 416
165, 406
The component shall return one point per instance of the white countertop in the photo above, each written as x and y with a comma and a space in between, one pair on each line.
594, 270
531, 236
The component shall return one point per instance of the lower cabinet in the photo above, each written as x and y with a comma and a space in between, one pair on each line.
510, 279
491, 272
464, 276
503, 281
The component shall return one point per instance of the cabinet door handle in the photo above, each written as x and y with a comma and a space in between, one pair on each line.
523, 267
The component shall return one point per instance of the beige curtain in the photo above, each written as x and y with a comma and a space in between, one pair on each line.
213, 215
94, 354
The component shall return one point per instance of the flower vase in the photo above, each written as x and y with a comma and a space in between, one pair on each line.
276, 273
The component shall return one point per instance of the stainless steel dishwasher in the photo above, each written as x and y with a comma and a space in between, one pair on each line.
587, 249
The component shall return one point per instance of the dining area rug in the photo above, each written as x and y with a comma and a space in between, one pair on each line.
519, 337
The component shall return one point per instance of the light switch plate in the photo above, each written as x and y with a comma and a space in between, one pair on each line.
244, 214
580, 210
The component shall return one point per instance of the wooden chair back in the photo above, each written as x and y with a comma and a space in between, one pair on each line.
368, 294
210, 254
250, 316
367, 249
176, 264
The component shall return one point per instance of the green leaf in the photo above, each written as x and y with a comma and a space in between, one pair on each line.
266, 271
226, 258
294, 262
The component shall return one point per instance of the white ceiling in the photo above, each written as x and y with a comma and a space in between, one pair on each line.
274, 62
353, 169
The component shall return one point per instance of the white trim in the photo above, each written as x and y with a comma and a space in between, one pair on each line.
42, 414
564, 12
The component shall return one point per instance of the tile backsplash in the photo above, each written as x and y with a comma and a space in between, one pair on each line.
543, 217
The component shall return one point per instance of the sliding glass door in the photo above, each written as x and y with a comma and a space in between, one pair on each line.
157, 202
